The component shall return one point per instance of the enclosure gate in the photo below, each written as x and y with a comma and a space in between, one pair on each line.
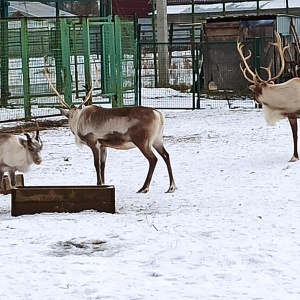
174, 70
76, 53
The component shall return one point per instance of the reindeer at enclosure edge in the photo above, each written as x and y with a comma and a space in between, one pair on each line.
120, 128
279, 101
18, 154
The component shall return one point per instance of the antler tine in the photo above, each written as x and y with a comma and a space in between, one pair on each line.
87, 97
278, 45
61, 100
46, 73
268, 70
37, 130
244, 59
244, 70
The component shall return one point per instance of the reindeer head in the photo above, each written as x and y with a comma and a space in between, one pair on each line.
34, 146
258, 84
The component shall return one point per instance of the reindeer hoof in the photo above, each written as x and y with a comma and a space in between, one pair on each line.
143, 190
293, 159
172, 189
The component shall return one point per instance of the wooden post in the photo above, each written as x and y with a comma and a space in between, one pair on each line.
6, 184
6, 187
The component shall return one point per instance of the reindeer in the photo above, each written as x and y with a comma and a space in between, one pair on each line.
279, 101
18, 154
120, 128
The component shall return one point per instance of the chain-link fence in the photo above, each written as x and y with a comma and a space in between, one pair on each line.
186, 70
199, 75
76, 54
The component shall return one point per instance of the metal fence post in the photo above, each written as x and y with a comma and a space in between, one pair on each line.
86, 53
65, 51
25, 68
118, 56
4, 62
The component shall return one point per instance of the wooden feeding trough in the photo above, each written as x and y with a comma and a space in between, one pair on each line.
72, 199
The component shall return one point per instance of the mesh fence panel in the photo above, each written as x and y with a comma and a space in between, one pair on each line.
74, 52
170, 70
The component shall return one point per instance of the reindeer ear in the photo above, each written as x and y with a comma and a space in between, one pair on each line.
65, 112
252, 88
23, 142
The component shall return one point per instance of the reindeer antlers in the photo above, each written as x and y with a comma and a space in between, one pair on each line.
88, 96
255, 77
60, 98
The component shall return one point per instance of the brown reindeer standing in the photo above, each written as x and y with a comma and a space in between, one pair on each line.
119, 128
279, 101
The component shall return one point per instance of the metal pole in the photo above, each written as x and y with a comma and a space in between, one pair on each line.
4, 8
4, 54
154, 44
193, 54
162, 38
56, 9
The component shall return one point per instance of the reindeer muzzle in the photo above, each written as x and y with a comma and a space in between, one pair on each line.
38, 161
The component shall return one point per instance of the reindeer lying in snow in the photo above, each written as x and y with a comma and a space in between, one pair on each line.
279, 101
119, 128
17, 154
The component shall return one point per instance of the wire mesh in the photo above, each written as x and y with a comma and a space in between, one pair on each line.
76, 53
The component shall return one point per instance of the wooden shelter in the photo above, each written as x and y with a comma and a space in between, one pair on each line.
220, 57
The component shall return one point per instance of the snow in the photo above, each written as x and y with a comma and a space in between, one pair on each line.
230, 231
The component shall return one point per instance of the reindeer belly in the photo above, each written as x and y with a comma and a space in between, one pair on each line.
116, 140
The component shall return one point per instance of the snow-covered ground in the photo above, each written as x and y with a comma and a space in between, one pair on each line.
230, 231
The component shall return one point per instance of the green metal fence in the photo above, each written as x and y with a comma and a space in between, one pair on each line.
103, 53
75, 52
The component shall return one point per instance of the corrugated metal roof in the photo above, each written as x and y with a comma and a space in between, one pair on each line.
233, 6
283, 24
184, 2
35, 9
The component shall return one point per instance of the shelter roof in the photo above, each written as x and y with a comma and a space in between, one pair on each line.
232, 6
34, 9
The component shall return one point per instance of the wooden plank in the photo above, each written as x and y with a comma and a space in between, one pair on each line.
72, 199
6, 185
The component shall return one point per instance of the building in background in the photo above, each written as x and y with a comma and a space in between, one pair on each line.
140, 8
33, 9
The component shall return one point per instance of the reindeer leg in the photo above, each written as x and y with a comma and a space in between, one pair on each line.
103, 155
12, 178
96, 151
1, 179
165, 155
294, 126
148, 153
